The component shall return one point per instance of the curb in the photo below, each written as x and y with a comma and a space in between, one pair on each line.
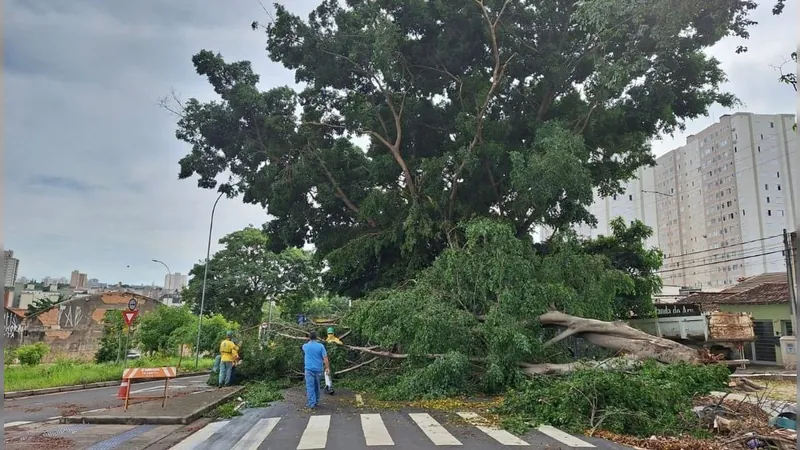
768, 376
80, 387
154, 420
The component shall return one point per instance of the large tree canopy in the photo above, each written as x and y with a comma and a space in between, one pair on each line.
513, 110
245, 274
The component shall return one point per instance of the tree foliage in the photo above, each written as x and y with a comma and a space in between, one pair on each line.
513, 110
114, 339
246, 273
42, 304
212, 332
156, 328
625, 250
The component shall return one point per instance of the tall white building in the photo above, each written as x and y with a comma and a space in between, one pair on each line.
11, 265
736, 188
719, 203
175, 282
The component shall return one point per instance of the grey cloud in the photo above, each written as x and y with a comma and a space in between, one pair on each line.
60, 183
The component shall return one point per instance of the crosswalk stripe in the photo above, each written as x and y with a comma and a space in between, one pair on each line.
375, 432
564, 438
435, 432
316, 434
199, 437
257, 434
501, 436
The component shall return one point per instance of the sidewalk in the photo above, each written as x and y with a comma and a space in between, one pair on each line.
181, 409
771, 407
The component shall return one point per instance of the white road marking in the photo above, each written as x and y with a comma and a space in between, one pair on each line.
316, 434
15, 424
375, 432
199, 437
564, 438
156, 388
501, 436
253, 439
435, 432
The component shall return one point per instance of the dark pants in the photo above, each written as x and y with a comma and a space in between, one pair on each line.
312, 387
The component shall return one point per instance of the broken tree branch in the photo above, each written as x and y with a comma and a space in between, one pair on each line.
619, 336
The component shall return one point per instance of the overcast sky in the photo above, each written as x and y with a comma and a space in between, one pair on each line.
91, 161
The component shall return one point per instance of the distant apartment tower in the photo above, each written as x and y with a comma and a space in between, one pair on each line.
718, 205
11, 265
175, 282
732, 189
637, 202
78, 280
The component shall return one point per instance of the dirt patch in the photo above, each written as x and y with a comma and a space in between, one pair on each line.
34, 409
785, 390
31, 441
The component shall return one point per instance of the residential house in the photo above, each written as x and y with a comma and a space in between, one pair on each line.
766, 298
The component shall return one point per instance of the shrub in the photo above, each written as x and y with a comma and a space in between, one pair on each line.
651, 400
31, 355
9, 356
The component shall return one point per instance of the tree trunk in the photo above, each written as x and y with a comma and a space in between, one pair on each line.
619, 336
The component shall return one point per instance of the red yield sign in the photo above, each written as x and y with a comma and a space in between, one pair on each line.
129, 316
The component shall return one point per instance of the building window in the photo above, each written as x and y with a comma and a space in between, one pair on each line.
742, 212
786, 328
615, 196
630, 197
766, 187
779, 187
759, 149
772, 124
762, 136
767, 199
769, 212
778, 174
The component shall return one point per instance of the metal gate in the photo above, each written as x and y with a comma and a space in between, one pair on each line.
765, 341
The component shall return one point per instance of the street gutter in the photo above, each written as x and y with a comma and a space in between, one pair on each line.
80, 387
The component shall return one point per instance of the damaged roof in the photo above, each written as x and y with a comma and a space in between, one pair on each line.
765, 293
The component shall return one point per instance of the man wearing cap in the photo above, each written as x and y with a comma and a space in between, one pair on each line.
315, 359
228, 351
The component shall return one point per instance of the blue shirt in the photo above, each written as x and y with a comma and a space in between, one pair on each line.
314, 352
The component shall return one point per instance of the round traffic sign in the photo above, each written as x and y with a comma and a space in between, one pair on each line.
132, 303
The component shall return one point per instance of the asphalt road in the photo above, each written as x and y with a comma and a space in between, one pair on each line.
40, 408
329, 428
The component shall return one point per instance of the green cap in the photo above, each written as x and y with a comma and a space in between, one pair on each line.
330, 330
229, 333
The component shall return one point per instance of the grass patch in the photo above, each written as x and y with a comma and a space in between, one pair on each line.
69, 373
224, 411
262, 393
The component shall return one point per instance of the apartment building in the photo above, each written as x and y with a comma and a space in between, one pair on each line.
719, 204
78, 279
11, 266
732, 194
174, 282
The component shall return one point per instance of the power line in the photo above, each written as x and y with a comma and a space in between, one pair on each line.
721, 262
713, 249
730, 252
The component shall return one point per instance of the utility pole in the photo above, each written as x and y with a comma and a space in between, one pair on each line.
787, 250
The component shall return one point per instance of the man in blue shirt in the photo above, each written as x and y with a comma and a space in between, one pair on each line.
316, 358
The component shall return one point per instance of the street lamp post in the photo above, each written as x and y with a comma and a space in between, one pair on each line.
169, 272
205, 277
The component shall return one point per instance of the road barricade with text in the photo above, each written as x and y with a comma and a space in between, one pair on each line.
142, 374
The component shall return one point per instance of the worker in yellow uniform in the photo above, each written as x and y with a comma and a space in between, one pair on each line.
228, 351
